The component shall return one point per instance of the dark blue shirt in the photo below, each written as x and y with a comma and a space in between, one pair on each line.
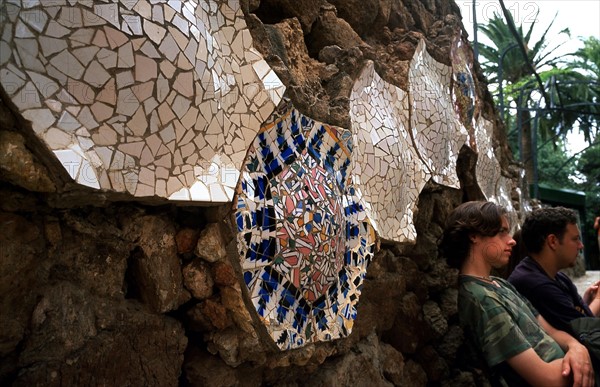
557, 300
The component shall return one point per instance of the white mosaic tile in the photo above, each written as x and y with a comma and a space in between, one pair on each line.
436, 130
386, 168
487, 169
170, 68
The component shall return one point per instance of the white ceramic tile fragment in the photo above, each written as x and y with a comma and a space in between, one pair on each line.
386, 163
436, 129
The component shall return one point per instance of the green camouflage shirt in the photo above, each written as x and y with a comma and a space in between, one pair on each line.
501, 323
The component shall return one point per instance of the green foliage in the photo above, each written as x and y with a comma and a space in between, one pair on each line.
568, 79
554, 170
572, 85
504, 46
589, 165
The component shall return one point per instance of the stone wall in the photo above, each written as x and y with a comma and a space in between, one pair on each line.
105, 289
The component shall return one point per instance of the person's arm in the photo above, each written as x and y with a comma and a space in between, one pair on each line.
591, 297
577, 360
597, 223
537, 372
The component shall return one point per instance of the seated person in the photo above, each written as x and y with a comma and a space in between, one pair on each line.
519, 346
553, 241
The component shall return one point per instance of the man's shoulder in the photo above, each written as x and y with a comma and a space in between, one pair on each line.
475, 294
565, 279
523, 271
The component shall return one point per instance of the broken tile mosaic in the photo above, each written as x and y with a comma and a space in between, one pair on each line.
463, 86
304, 239
160, 84
386, 169
436, 130
170, 99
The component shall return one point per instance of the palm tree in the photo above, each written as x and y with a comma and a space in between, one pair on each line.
587, 68
557, 107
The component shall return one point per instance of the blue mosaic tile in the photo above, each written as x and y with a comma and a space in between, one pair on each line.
311, 241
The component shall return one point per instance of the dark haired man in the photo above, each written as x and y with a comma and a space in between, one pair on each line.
519, 346
553, 241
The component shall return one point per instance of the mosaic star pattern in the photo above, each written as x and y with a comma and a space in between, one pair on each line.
436, 130
387, 171
146, 97
304, 239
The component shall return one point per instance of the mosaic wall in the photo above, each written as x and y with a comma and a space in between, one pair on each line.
155, 98
463, 86
169, 98
305, 241
387, 169
436, 129
493, 185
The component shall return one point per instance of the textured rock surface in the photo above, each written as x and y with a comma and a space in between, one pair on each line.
102, 291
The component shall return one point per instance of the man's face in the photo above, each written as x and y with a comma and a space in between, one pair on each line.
569, 246
497, 249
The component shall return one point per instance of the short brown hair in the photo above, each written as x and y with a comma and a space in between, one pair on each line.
543, 222
468, 219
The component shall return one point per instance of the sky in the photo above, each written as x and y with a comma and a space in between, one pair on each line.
582, 17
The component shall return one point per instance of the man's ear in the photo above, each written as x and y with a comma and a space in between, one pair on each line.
552, 241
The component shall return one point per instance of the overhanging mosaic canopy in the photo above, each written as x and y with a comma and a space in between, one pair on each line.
154, 98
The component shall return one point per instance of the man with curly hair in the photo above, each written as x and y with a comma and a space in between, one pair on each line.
553, 241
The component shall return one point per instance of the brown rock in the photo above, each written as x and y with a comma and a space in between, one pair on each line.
360, 14
236, 347
154, 269
206, 370
407, 331
383, 293
224, 274
434, 366
18, 237
414, 375
186, 239
90, 250
451, 342
78, 337
211, 243
435, 319
198, 280
232, 300
393, 364
18, 166
226, 344
449, 302
329, 30
217, 314
362, 367
201, 369
400, 17
329, 54
305, 11
53, 231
